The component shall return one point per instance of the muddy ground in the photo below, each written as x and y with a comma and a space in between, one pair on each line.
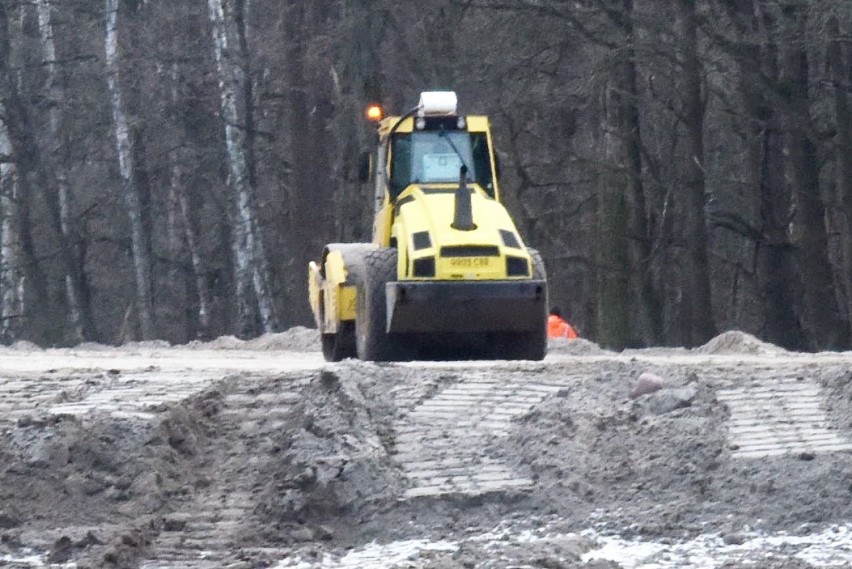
258, 454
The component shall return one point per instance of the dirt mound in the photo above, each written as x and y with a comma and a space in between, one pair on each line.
148, 345
99, 471
220, 343
296, 339
660, 463
24, 346
92, 347
89, 470
576, 347
335, 461
736, 342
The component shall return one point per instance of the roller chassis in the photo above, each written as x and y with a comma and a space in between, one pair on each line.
447, 275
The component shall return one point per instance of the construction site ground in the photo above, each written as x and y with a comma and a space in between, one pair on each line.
233, 454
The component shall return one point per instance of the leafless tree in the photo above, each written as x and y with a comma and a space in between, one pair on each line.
11, 276
251, 266
124, 148
820, 314
839, 60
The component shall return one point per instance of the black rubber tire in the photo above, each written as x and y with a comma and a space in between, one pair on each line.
339, 346
373, 343
530, 345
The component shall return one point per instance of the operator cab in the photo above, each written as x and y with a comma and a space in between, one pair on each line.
429, 145
436, 157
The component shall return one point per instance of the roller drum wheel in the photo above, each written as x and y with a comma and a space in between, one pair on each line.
373, 343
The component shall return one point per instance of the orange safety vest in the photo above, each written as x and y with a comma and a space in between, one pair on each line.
559, 328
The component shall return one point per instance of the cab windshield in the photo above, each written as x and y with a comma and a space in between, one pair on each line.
436, 158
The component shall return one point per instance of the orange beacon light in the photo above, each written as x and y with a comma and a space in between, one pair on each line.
374, 113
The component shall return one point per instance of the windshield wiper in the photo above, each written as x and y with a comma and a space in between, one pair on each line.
464, 167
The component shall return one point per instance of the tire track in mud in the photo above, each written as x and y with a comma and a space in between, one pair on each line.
208, 532
201, 534
124, 384
440, 443
24, 396
129, 396
771, 418
135, 395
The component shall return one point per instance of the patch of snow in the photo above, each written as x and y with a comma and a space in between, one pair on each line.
31, 559
830, 548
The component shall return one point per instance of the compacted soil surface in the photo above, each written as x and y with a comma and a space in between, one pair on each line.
233, 454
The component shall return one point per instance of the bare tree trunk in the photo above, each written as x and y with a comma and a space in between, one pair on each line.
840, 66
613, 258
37, 319
820, 311
311, 187
197, 268
180, 201
774, 262
775, 254
81, 322
357, 82
11, 275
252, 273
138, 238
697, 305
648, 320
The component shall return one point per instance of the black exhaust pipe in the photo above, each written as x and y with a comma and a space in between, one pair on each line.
463, 217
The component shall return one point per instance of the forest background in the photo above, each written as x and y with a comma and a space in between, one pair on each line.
169, 167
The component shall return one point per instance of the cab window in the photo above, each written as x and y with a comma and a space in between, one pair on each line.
436, 157
482, 161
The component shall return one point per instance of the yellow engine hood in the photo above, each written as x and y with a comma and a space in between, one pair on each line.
432, 208
479, 253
